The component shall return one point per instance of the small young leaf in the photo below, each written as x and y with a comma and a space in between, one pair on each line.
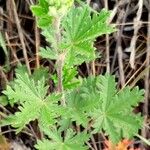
44, 21
4, 100
38, 11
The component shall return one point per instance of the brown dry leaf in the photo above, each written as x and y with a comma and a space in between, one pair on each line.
122, 145
4, 145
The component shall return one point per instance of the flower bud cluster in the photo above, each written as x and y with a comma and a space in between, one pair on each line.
59, 7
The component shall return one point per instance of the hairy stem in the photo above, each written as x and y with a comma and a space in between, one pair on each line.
61, 58
60, 64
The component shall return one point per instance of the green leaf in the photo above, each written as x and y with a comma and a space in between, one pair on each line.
75, 109
99, 26
97, 99
64, 123
38, 11
72, 141
126, 98
80, 103
111, 130
43, 3
80, 31
50, 110
48, 53
115, 113
4, 100
26, 89
40, 73
44, 21
34, 101
107, 87
49, 34
28, 112
41, 11
70, 81
44, 145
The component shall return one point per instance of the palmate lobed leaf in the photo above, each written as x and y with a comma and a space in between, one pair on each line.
116, 115
80, 31
31, 93
76, 21
98, 99
26, 89
71, 141
25, 85
29, 111
81, 26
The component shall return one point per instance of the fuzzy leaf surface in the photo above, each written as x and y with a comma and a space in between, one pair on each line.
71, 141
115, 115
80, 31
99, 101
34, 101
